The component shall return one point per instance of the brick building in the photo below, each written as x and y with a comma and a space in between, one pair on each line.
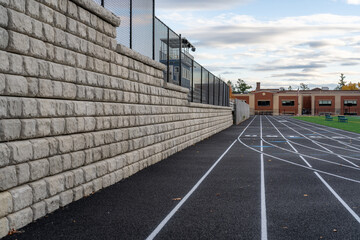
315, 102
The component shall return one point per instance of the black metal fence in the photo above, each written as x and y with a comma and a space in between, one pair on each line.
141, 31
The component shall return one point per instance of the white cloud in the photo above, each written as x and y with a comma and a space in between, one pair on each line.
199, 4
353, 2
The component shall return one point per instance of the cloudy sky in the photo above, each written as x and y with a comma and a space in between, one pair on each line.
280, 43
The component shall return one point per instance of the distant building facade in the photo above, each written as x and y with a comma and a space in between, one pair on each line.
305, 102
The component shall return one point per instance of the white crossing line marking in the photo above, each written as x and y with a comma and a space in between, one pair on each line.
272, 136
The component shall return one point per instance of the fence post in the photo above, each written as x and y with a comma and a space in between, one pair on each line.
201, 87
168, 54
192, 80
131, 22
153, 33
180, 63
208, 88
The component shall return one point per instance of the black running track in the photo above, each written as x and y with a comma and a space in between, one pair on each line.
268, 178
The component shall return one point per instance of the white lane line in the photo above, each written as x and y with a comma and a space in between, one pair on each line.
354, 146
334, 130
308, 156
339, 156
178, 206
332, 190
298, 165
307, 163
263, 200
339, 198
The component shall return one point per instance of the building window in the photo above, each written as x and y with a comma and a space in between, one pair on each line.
325, 103
350, 103
264, 103
288, 103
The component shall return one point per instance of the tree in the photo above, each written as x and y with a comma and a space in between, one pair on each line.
231, 85
351, 86
282, 89
304, 86
289, 88
342, 82
241, 86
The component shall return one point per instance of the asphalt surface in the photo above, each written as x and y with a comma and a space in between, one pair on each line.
268, 178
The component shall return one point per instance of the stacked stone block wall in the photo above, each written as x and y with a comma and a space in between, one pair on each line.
78, 112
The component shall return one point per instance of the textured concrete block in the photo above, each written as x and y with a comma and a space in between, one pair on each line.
66, 198
14, 107
52, 204
69, 90
10, 129
31, 68
18, 42
39, 210
78, 159
66, 158
70, 57
73, 10
18, 5
23, 173
79, 142
78, 177
46, 88
20, 219
39, 169
4, 227
37, 29
19, 22
48, 32
6, 204
33, 8
106, 181
2, 82
55, 184
60, 37
16, 85
43, 127
4, 66
39, 190
4, 155
46, 14
3, 17
71, 125
78, 193
58, 126
59, 54
53, 146
88, 188
56, 165
41, 148
22, 197
8, 178
97, 184
56, 71
65, 144
16, 64
29, 107
60, 20
84, 15
69, 180
89, 172
21, 151
37, 48
73, 42
47, 108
